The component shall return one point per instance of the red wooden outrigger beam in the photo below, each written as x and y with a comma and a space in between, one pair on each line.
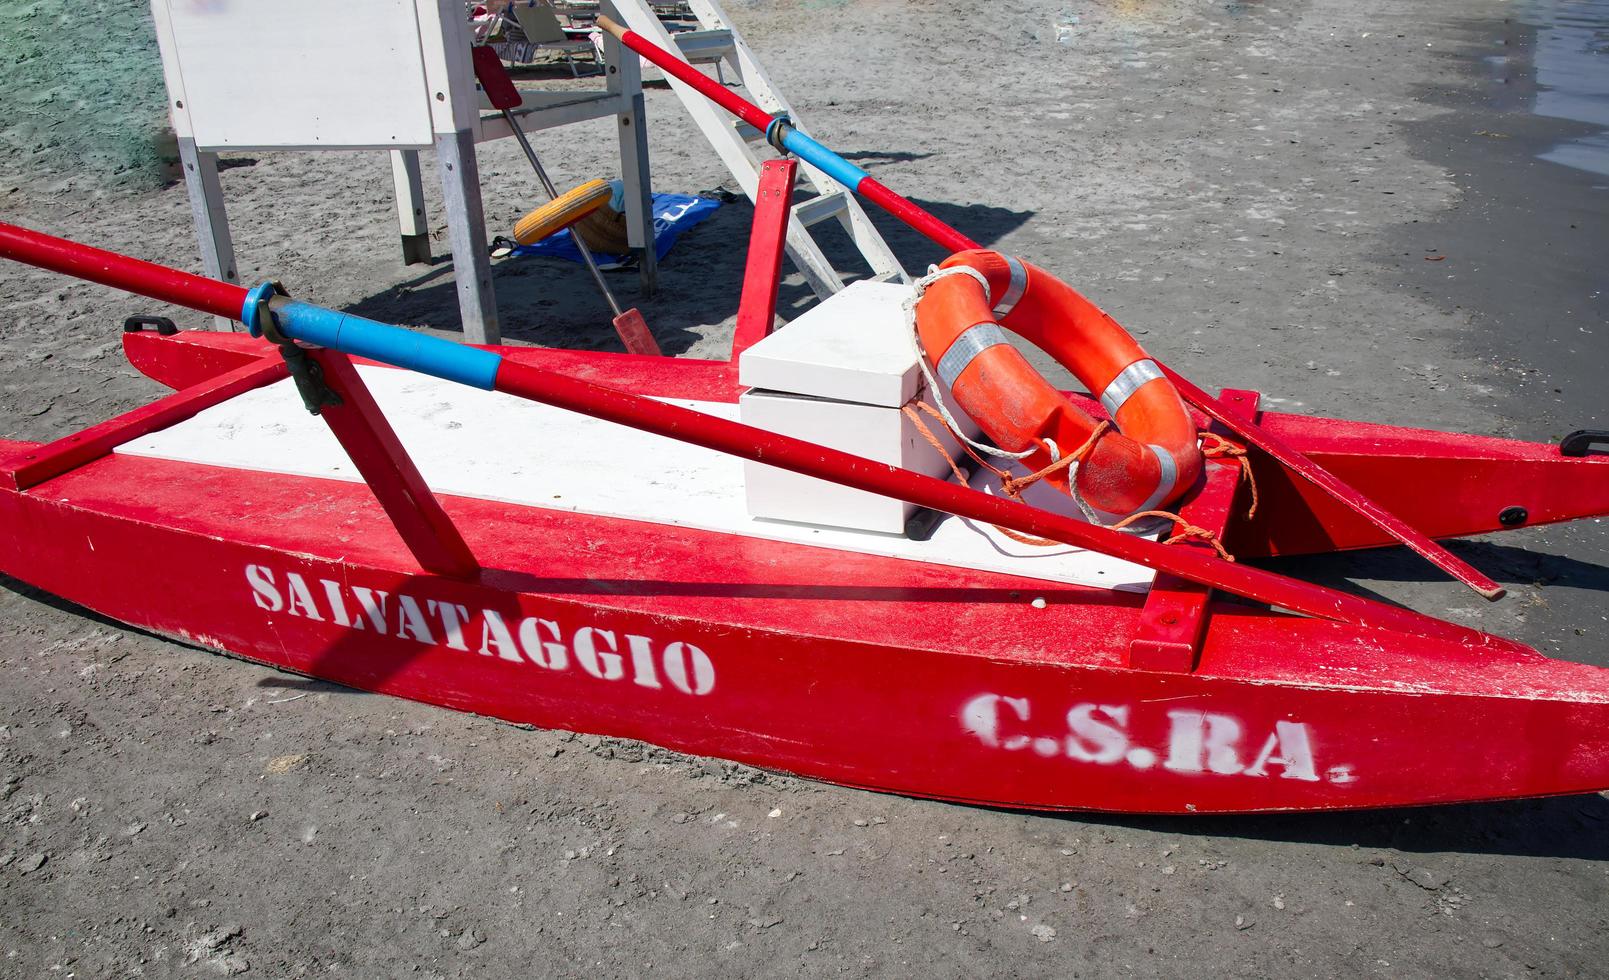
785, 137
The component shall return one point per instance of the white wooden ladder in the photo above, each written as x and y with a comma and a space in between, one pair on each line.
736, 142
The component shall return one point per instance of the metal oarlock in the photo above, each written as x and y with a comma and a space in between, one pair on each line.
258, 315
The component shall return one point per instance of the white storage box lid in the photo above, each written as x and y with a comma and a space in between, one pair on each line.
853, 346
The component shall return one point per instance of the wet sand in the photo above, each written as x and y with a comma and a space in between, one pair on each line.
1251, 187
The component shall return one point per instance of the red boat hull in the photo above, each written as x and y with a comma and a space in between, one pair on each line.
865, 671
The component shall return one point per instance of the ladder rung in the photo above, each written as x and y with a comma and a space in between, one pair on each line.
704, 46
819, 209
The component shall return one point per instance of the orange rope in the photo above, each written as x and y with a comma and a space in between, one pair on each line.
1013, 487
1224, 449
1182, 530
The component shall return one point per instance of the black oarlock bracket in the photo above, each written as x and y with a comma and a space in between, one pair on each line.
1581, 441
309, 378
163, 325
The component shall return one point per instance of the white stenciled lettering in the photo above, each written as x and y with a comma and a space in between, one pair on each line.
643, 672
689, 669
1098, 733
1191, 743
263, 592
453, 617
551, 652
332, 593
597, 651
373, 606
981, 716
301, 599
601, 662
411, 621
1201, 740
1295, 753
495, 637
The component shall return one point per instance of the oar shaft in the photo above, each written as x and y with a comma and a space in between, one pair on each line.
797, 143
121, 271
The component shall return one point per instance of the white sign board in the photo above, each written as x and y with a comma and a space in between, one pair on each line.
297, 74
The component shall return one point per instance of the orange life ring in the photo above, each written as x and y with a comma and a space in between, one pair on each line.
1151, 459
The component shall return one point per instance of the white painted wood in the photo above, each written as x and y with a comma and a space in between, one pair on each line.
281, 74
491, 446
623, 71
883, 434
738, 156
853, 346
410, 194
210, 219
466, 233
752, 75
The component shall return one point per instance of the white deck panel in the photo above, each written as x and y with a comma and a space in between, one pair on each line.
481, 444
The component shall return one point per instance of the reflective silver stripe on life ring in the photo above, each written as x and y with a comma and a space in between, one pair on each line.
1015, 289
974, 340
1164, 487
1127, 382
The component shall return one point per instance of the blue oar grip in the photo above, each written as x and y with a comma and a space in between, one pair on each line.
816, 155
376, 341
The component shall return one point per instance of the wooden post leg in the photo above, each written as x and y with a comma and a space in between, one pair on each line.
623, 75
411, 207
211, 221
362, 430
466, 231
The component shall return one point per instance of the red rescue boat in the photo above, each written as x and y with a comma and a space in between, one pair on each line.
886, 672
560, 538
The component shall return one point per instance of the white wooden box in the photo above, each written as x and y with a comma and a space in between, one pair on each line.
837, 376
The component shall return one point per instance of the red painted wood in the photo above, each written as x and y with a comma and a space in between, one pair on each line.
768, 238
633, 332
918, 218
53, 459
179, 362
373, 446
121, 271
798, 456
196, 292
1175, 615
870, 672
1445, 484
1292, 460
494, 80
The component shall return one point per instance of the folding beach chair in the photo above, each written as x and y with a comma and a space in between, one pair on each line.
543, 32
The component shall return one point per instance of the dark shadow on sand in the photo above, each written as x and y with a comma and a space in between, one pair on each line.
1557, 826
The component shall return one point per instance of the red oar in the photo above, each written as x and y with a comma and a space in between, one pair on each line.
784, 137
